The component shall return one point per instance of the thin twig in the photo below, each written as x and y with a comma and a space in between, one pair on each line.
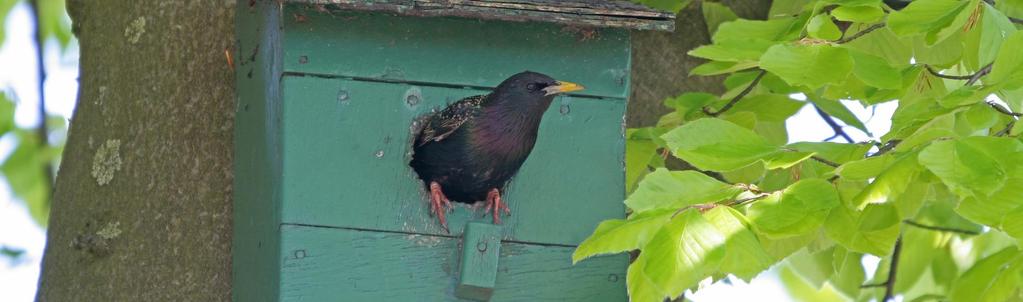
889, 287
737, 97
946, 76
747, 199
833, 124
41, 131
869, 285
1003, 110
939, 228
1016, 20
980, 73
1005, 131
825, 161
889, 146
859, 34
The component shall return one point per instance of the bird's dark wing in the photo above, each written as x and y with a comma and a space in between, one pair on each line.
442, 124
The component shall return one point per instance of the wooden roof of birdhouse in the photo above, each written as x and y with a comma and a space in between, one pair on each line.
592, 13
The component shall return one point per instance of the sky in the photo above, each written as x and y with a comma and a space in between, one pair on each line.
18, 279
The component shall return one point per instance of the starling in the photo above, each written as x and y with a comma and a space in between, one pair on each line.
468, 151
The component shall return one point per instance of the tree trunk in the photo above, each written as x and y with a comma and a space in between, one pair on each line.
660, 65
142, 203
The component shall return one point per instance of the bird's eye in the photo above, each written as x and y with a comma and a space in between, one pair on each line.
532, 86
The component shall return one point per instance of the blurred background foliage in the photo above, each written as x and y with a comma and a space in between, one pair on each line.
32, 152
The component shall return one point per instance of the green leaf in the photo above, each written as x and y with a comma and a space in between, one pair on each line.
965, 167
992, 279
872, 230
685, 251
744, 256
836, 152
861, 14
890, 184
5, 8
54, 22
620, 235
1008, 67
945, 53
801, 290
809, 65
733, 50
784, 160
677, 189
717, 145
821, 27
966, 95
799, 209
1011, 7
6, 114
24, 170
788, 7
717, 67
640, 287
923, 16
864, 169
665, 5
875, 71
638, 153
716, 13
983, 41
992, 210
884, 44
769, 107
744, 29
690, 102
839, 111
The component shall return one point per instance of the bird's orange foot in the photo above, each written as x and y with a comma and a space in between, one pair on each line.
495, 204
439, 204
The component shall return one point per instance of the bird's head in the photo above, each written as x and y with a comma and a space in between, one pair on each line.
532, 88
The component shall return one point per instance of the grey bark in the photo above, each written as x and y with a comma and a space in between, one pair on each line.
142, 202
660, 66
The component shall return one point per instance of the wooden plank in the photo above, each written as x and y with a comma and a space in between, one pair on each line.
322, 264
346, 145
481, 248
255, 264
455, 52
595, 13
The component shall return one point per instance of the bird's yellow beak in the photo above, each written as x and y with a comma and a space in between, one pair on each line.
563, 87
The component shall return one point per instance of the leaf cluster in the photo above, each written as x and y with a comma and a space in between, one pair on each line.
943, 187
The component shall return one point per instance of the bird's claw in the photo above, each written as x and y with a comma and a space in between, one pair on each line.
438, 204
496, 205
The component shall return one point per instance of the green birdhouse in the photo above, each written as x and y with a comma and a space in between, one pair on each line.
326, 206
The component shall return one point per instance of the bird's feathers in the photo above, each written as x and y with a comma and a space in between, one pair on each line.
440, 126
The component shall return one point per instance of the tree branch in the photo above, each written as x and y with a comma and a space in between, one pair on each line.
859, 34
889, 146
747, 199
833, 124
946, 76
825, 161
889, 285
737, 97
41, 131
1005, 131
939, 229
980, 73
1016, 20
1003, 110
